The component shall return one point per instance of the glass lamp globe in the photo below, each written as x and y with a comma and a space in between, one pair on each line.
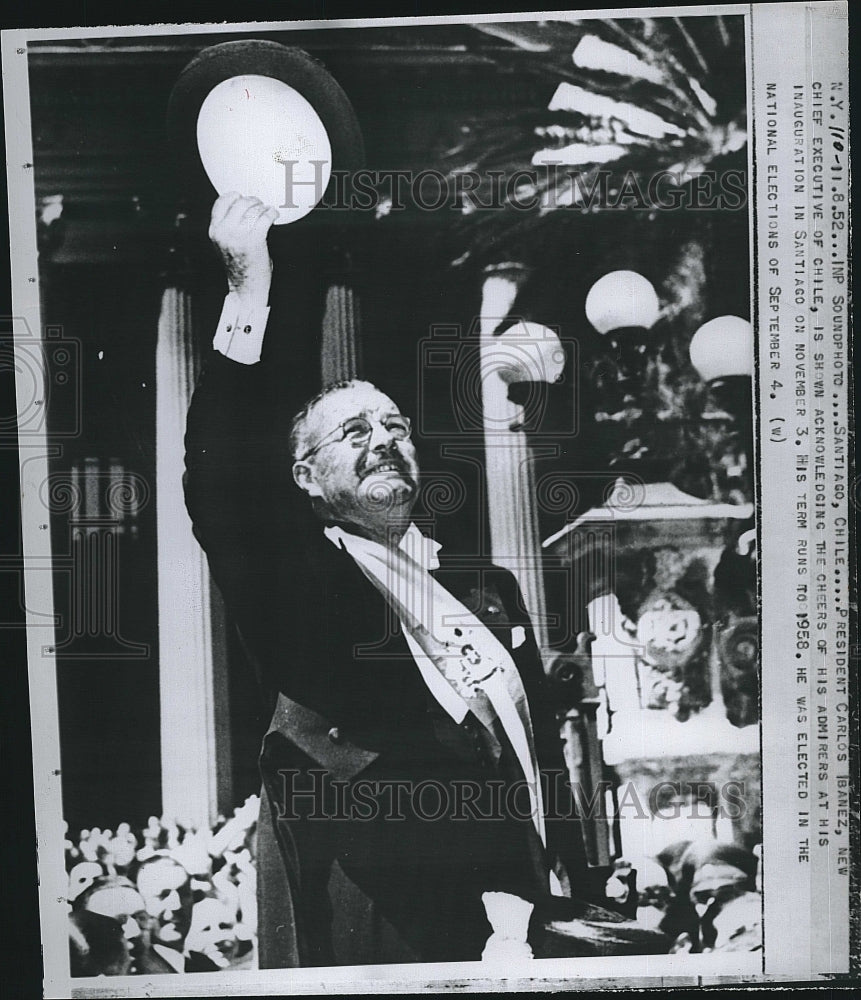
723, 348
621, 300
260, 137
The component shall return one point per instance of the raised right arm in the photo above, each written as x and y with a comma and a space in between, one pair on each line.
226, 447
238, 485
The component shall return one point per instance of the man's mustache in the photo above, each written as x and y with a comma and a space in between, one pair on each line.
366, 467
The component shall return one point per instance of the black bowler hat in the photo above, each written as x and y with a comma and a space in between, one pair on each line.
263, 119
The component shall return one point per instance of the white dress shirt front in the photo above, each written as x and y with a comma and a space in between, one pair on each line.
439, 629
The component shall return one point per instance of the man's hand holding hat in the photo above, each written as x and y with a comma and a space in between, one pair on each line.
238, 228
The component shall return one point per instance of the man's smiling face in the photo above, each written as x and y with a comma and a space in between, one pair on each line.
358, 478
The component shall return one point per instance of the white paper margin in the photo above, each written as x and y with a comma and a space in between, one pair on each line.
789, 41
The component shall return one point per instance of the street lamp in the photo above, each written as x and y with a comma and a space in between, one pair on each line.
622, 300
722, 353
723, 348
623, 307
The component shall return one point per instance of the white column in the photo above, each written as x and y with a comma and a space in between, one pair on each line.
339, 347
191, 745
525, 352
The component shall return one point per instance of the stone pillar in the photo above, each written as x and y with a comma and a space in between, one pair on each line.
340, 356
525, 352
195, 747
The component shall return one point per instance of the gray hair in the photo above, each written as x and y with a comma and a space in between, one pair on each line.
297, 425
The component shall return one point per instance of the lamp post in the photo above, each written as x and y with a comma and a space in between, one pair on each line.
721, 351
623, 307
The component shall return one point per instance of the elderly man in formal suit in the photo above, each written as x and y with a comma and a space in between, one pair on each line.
412, 721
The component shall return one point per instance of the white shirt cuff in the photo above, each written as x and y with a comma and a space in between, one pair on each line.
239, 335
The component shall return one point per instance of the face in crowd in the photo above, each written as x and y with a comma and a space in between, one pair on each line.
354, 457
166, 891
98, 946
213, 931
116, 900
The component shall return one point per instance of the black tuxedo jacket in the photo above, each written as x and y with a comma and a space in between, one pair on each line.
352, 701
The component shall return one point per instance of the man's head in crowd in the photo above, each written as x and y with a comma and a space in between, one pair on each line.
166, 890
683, 859
115, 899
354, 457
705, 877
98, 946
213, 931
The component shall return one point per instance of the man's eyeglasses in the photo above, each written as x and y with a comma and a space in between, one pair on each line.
357, 431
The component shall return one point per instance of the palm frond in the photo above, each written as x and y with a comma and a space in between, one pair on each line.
635, 96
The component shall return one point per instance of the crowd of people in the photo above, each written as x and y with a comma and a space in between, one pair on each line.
712, 900
164, 898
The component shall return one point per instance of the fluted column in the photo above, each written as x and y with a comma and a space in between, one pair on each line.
195, 749
339, 347
525, 352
